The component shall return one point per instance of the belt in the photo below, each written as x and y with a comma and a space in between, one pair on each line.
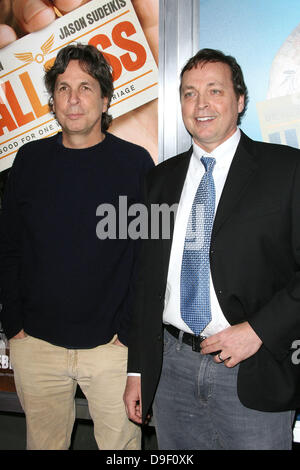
187, 338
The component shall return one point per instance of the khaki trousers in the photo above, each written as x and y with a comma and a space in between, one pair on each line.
46, 377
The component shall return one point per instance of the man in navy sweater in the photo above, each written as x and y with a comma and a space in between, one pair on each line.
66, 293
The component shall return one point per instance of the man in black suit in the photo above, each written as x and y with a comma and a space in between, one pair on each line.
232, 382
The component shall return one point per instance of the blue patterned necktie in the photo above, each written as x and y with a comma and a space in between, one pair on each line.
195, 269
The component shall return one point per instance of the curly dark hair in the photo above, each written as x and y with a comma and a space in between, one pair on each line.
93, 62
212, 55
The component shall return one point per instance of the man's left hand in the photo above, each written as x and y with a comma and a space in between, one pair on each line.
235, 343
117, 342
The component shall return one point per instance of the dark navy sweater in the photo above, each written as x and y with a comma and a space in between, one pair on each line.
59, 281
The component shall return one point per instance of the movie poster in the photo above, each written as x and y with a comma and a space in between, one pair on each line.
112, 27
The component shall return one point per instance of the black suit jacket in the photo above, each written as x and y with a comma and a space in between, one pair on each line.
255, 265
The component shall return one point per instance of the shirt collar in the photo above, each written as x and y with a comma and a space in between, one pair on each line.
224, 153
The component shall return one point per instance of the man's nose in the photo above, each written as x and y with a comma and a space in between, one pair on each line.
73, 97
202, 102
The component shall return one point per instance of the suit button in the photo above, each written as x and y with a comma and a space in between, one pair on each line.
212, 252
159, 338
220, 292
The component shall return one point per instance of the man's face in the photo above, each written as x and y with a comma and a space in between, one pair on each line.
209, 104
78, 105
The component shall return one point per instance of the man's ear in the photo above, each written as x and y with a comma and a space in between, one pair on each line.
105, 104
52, 104
241, 103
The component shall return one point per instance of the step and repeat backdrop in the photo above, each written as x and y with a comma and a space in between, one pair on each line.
265, 39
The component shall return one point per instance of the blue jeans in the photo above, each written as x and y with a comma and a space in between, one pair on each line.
197, 407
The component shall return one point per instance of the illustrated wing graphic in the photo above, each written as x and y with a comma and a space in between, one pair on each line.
26, 57
46, 47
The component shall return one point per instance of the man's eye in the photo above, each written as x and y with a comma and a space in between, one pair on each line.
189, 94
215, 92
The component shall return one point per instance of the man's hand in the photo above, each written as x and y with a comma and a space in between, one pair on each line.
117, 342
20, 335
140, 126
236, 344
147, 13
31, 15
132, 399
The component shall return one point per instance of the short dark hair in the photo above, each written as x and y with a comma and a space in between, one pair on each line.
91, 61
212, 55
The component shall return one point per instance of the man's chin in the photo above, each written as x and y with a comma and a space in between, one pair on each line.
75, 129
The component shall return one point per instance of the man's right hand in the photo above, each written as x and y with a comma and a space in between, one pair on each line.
20, 335
132, 399
30, 15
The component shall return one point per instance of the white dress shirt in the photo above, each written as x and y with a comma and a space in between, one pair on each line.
171, 315
223, 154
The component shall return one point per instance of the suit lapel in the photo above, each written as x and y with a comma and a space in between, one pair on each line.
176, 177
171, 195
241, 173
